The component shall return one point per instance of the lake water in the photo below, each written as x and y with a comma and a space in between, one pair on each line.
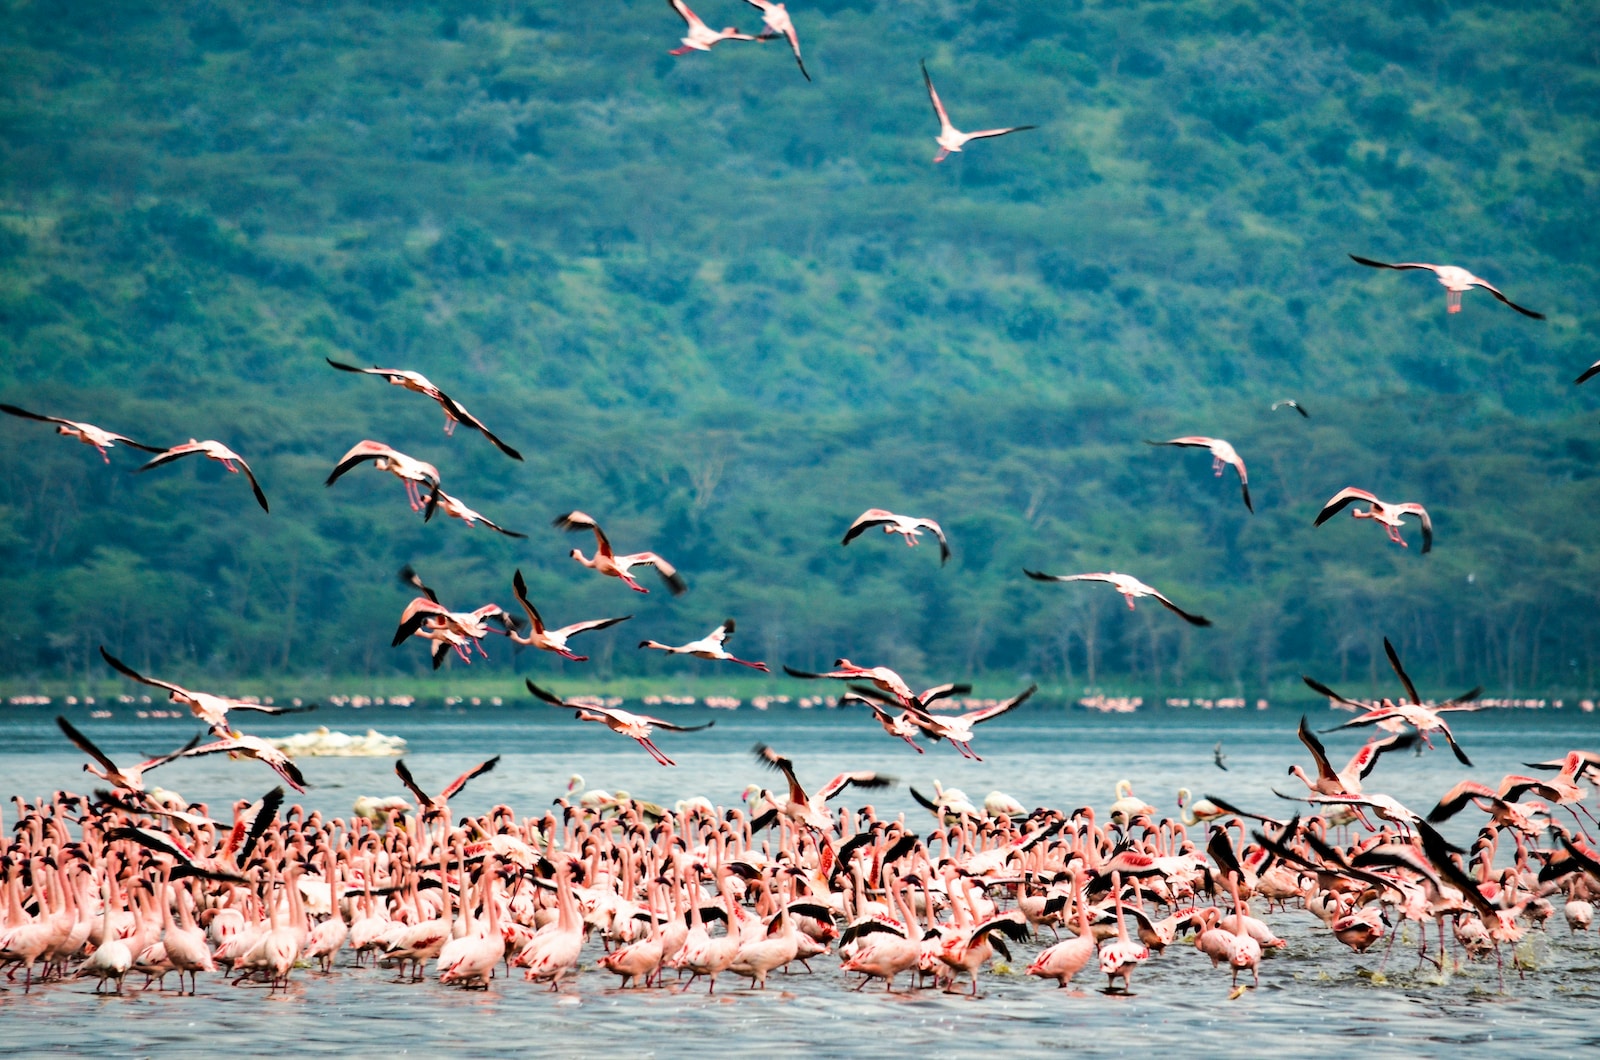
1314, 997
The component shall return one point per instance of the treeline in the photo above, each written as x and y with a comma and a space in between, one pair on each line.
724, 311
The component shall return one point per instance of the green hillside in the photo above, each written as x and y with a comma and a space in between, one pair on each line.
724, 310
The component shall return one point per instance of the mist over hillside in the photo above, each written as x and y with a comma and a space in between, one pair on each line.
724, 310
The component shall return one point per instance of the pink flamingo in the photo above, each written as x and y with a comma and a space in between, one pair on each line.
1456, 281
456, 510
87, 433
1130, 587
702, 37
1222, 455
417, 383
215, 451
554, 640
951, 139
908, 526
1388, 515
636, 727
776, 17
410, 471
607, 562
708, 647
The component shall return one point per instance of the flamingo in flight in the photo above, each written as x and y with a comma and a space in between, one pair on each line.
1291, 403
1394, 717
1130, 587
957, 728
213, 710
908, 526
417, 383
812, 810
241, 746
456, 510
216, 451
880, 676
550, 639
778, 23
1389, 515
129, 778
410, 471
99, 437
636, 727
438, 806
951, 139
709, 646
607, 562
1222, 454
425, 617
702, 37
1456, 281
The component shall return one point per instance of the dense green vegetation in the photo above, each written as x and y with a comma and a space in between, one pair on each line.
724, 310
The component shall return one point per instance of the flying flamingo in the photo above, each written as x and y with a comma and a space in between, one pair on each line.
812, 810
1346, 781
241, 746
416, 382
951, 139
213, 710
1390, 515
899, 725
437, 807
216, 451
776, 16
410, 471
609, 563
1131, 588
1456, 281
957, 728
1291, 403
551, 639
130, 778
456, 510
702, 37
880, 676
1394, 717
99, 437
708, 647
1221, 454
636, 727
908, 526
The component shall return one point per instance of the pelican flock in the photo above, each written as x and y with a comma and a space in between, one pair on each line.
127, 882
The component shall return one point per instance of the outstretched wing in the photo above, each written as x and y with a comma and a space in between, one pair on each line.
404, 774
866, 521
1588, 374
519, 588
1402, 265
1339, 500
861, 779
1400, 671
1314, 745
1492, 289
461, 781
773, 760
127, 671
1193, 620
550, 697
938, 107
1000, 708
576, 521
86, 745
459, 413
671, 727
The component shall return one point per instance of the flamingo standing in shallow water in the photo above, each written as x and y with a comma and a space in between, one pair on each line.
216, 451
87, 433
1456, 281
607, 562
908, 526
709, 646
951, 139
1388, 515
1222, 455
702, 37
1130, 587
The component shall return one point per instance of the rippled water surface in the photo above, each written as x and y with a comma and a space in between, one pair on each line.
1315, 998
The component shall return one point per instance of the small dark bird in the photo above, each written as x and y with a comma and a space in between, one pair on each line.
1220, 758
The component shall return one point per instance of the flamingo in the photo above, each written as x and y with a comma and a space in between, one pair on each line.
1069, 957
98, 437
1130, 587
215, 451
1389, 515
417, 383
213, 710
951, 139
908, 526
609, 563
1456, 281
957, 728
1120, 956
899, 725
702, 37
778, 23
881, 677
1394, 717
411, 472
437, 807
238, 745
1293, 404
553, 640
129, 779
1222, 454
453, 507
1346, 781
708, 647
636, 727
812, 810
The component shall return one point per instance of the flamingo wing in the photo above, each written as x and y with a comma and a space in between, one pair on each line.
1400, 671
1492, 289
984, 134
1401, 265
1193, 620
1038, 577
1318, 752
866, 521
669, 574
1276, 405
167, 456
1450, 738
938, 532
362, 452
550, 697
25, 414
127, 671
938, 107
255, 487
401, 771
519, 589
1366, 760
1427, 526
1340, 500
860, 779
944, 691
497, 528
459, 413
596, 623
998, 709
387, 373
86, 745
684, 13
575, 521
476, 771
773, 760
672, 726
256, 820
1588, 374
1322, 689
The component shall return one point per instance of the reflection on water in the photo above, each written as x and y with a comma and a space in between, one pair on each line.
1316, 996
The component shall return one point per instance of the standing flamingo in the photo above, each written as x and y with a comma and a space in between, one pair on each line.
951, 139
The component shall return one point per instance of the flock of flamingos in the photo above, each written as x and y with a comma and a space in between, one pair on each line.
132, 880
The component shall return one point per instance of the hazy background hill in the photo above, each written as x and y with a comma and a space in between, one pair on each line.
724, 310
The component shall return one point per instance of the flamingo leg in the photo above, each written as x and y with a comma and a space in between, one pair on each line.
635, 586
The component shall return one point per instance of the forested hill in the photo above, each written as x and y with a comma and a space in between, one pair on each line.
724, 310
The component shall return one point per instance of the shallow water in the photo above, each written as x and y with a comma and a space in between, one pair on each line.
1314, 996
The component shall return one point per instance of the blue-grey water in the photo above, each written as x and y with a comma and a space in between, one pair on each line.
1316, 996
